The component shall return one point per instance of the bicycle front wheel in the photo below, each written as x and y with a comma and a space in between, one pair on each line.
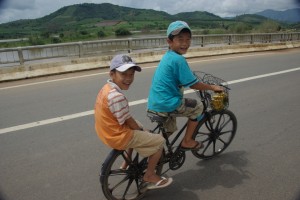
216, 132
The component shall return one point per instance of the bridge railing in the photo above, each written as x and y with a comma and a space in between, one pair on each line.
106, 47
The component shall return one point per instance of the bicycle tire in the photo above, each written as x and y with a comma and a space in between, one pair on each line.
216, 131
127, 183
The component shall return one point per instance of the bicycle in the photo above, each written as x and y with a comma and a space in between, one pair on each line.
215, 130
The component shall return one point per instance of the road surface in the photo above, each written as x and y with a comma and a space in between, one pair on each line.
49, 149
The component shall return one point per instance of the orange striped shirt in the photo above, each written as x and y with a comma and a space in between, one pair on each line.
111, 112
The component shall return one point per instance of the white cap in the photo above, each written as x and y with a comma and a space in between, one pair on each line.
122, 63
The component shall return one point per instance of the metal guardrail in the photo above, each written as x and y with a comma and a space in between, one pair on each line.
83, 49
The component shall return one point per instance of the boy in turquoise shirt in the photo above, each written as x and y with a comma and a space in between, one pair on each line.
172, 75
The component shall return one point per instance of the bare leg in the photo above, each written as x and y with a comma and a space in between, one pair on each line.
150, 175
187, 140
128, 155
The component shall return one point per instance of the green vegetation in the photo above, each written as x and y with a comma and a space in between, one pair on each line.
94, 21
122, 32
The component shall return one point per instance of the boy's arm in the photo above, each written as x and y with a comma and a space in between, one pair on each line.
204, 86
132, 124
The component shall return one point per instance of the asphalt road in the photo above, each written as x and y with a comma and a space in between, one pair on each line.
49, 150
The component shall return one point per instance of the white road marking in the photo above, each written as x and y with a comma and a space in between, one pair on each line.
47, 121
263, 76
141, 101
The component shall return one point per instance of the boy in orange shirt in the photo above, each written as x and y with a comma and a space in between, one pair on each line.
116, 127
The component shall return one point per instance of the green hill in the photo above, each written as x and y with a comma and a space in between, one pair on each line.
91, 21
88, 15
81, 16
250, 18
197, 15
105, 11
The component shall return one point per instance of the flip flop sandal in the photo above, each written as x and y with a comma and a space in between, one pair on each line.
159, 184
196, 147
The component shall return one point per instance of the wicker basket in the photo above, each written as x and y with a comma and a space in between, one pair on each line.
215, 100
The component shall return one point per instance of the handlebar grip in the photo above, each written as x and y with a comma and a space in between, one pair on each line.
225, 86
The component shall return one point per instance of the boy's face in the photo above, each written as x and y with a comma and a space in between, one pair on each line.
123, 79
180, 42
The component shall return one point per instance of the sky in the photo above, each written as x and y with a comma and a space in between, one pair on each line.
11, 10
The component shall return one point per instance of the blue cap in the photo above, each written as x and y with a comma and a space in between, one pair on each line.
175, 27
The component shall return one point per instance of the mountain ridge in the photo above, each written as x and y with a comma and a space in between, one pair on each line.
111, 11
86, 20
288, 16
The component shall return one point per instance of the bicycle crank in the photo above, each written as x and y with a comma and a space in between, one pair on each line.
177, 159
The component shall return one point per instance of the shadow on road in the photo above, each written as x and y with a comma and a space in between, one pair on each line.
227, 170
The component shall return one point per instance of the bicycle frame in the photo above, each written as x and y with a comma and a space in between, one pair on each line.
169, 143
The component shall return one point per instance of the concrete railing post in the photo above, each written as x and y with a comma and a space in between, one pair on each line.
20, 54
229, 39
129, 45
80, 49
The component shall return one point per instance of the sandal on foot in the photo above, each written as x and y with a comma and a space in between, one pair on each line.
160, 184
196, 147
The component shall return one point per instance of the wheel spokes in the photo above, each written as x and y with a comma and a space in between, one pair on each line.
127, 188
206, 147
219, 127
224, 124
225, 132
120, 183
221, 140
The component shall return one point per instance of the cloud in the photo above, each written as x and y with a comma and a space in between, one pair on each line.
14, 9
224, 8
30, 9
18, 5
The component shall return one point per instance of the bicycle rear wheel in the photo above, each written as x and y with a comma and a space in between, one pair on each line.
127, 183
216, 132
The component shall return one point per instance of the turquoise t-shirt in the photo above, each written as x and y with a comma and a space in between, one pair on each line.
172, 74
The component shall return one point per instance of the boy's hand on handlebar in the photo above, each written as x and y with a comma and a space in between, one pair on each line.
217, 88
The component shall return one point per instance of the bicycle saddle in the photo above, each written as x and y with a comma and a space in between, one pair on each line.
155, 117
